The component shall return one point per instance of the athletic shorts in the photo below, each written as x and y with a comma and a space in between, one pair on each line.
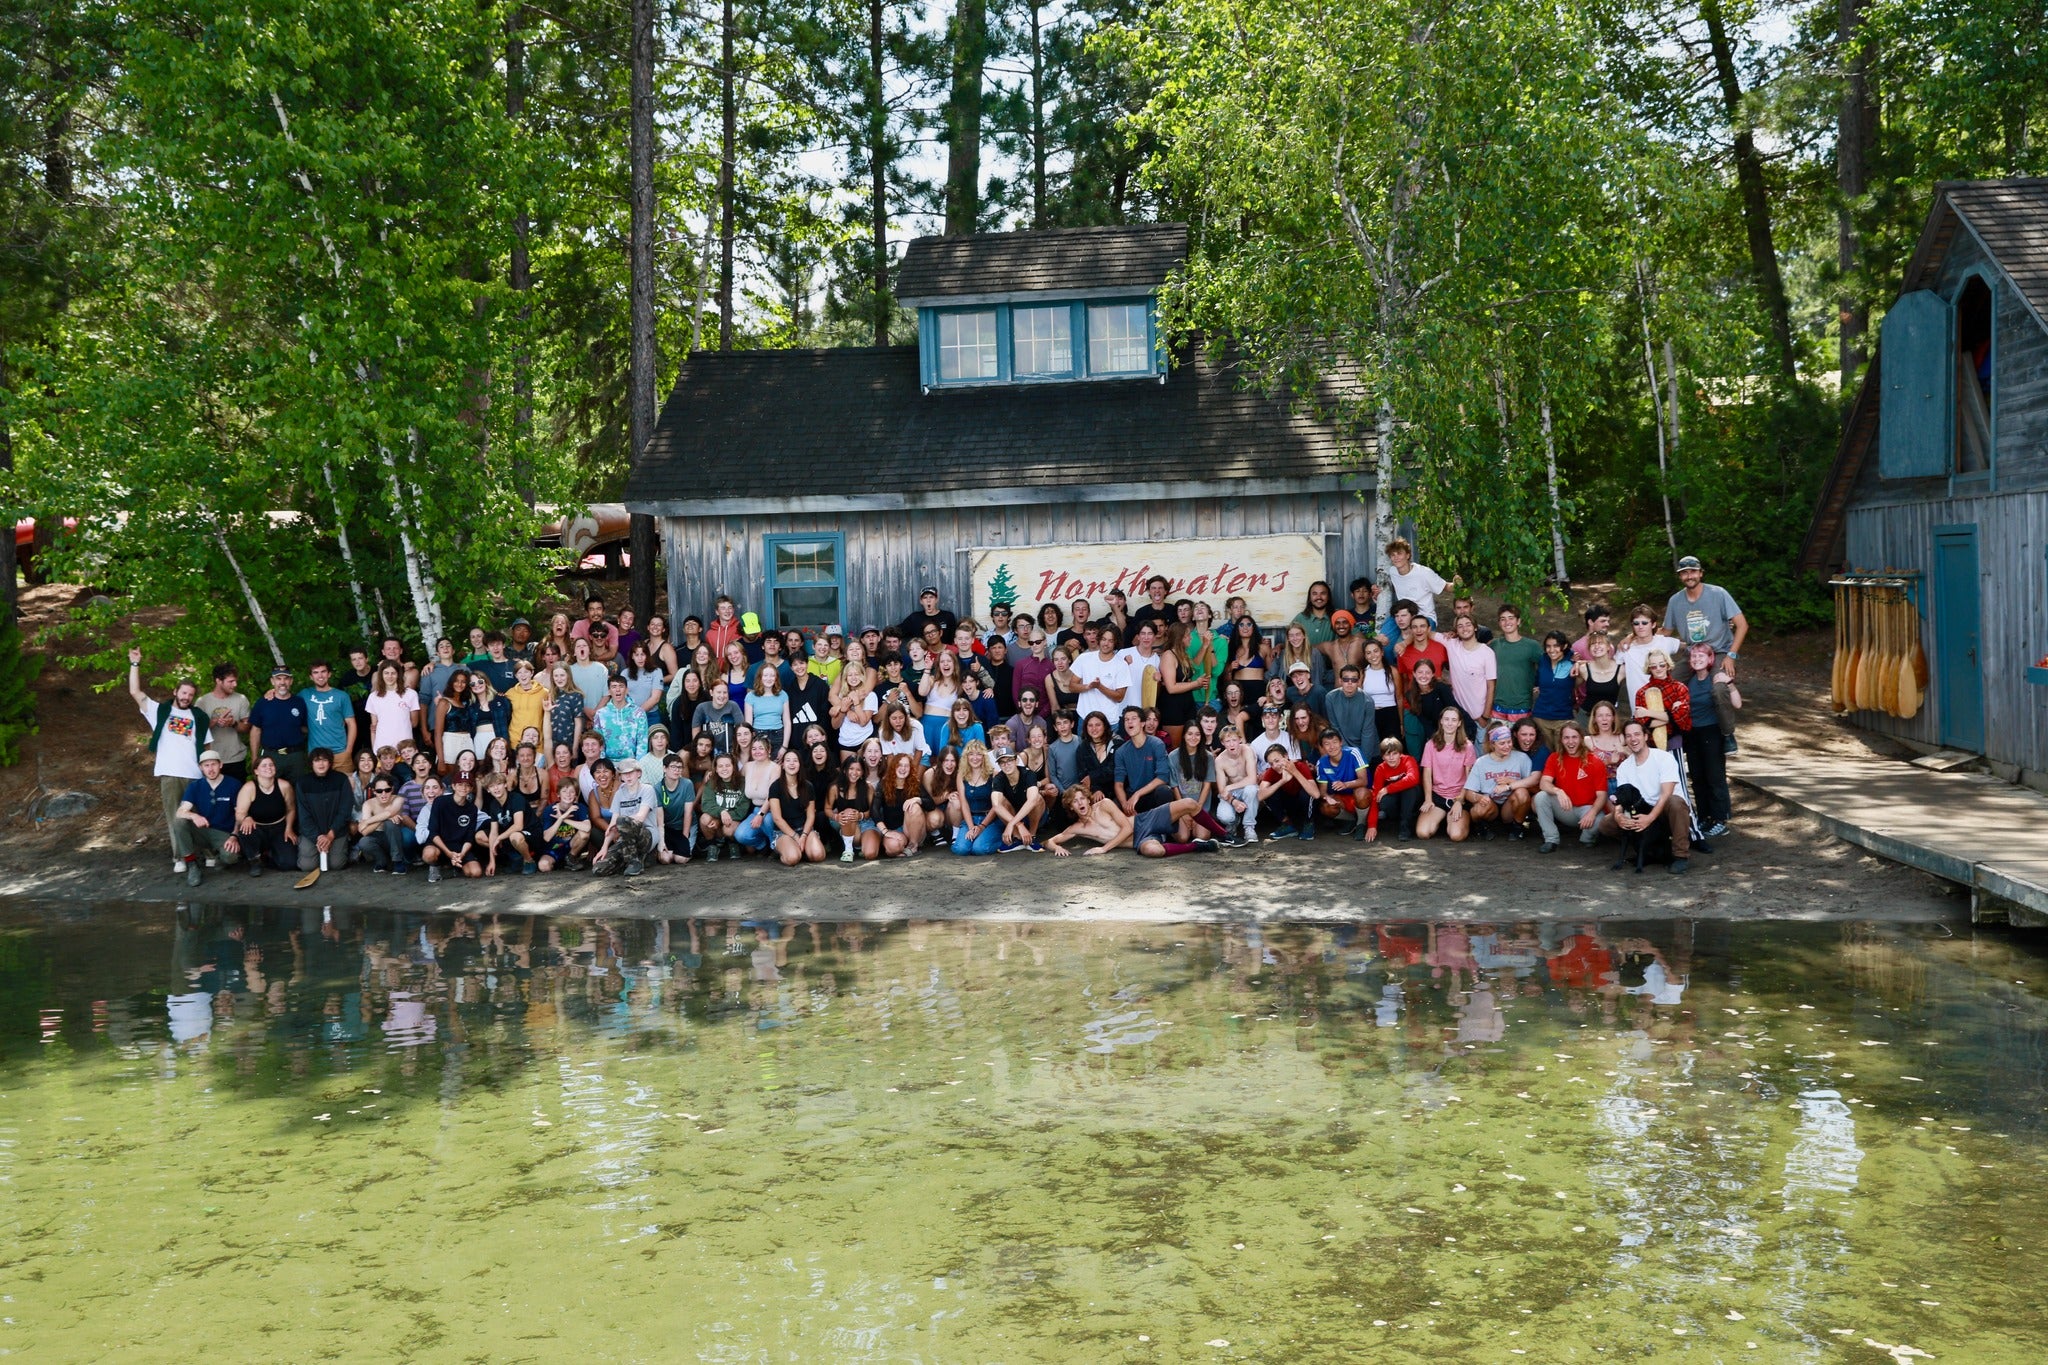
1156, 823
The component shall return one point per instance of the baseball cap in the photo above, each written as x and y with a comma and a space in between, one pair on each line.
1689, 562
928, 592
629, 765
522, 621
1300, 666
834, 630
462, 780
211, 756
281, 671
750, 623
1344, 616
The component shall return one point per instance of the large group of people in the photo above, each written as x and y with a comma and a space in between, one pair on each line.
1177, 727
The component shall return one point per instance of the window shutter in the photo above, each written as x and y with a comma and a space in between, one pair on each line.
1915, 433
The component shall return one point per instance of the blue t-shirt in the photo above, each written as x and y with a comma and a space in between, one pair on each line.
1139, 763
502, 672
217, 804
1345, 767
283, 723
1701, 693
328, 712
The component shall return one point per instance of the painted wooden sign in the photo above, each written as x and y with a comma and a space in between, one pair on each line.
1271, 573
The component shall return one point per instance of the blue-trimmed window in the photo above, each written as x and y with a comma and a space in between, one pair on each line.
1023, 343
806, 579
967, 345
1042, 341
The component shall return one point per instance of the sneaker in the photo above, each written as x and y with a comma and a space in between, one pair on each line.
1207, 845
1728, 745
211, 864
1284, 832
192, 874
1307, 832
527, 870
255, 868
1014, 848
433, 873
400, 869
1484, 830
1589, 838
635, 868
711, 853
1549, 846
846, 854
380, 868
1717, 829
1701, 845
1518, 833
1678, 866
1358, 831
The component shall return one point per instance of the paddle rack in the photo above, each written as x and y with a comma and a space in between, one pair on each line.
1880, 664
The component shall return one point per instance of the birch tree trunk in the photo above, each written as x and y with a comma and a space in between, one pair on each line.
1657, 414
1556, 503
348, 555
426, 611
249, 595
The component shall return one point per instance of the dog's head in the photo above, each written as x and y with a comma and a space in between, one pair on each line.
1629, 801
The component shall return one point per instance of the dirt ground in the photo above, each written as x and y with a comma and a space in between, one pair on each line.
1772, 865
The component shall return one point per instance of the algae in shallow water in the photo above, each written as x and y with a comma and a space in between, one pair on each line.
284, 1137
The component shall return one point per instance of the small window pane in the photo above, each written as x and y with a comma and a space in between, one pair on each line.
806, 608
967, 345
1118, 342
806, 561
1042, 341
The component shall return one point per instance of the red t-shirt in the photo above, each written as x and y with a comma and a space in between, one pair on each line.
1412, 655
1581, 782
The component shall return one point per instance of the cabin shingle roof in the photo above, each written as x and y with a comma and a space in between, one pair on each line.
854, 422
1075, 260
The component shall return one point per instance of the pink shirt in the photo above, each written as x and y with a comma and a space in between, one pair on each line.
1470, 670
1448, 768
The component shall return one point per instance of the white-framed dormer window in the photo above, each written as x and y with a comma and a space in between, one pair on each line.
1119, 339
967, 345
1042, 341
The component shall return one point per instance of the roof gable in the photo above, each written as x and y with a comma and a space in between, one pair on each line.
2009, 218
1090, 260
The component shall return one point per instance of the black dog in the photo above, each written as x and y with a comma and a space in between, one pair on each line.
1645, 846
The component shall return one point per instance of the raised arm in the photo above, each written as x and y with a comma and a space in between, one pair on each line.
135, 678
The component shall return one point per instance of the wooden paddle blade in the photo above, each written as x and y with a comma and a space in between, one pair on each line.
307, 880
1838, 678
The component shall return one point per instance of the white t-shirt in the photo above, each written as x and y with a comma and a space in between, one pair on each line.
1138, 668
176, 754
912, 743
1649, 775
1635, 658
391, 716
1110, 672
1419, 585
853, 734
1380, 688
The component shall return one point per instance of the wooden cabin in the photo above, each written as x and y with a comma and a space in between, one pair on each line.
1038, 443
1940, 485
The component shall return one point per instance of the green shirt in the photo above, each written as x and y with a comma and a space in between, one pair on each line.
1320, 631
1515, 673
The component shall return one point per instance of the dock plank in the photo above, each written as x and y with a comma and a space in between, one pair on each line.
1967, 828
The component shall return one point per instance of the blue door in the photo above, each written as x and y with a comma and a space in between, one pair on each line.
1958, 665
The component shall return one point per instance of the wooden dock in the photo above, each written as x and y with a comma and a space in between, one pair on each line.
1968, 828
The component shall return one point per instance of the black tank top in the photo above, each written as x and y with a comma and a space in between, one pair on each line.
1175, 708
1609, 691
267, 808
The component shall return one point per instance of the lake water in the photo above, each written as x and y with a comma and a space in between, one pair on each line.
289, 1135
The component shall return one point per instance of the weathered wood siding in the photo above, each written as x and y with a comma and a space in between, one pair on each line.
2012, 549
890, 556
2019, 393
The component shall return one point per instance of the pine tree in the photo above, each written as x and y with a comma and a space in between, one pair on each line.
17, 692
1002, 589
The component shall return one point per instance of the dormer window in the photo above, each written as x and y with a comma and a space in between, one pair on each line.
1056, 305
967, 345
1042, 341
1119, 338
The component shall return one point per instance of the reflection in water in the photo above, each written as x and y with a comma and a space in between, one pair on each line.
731, 1139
